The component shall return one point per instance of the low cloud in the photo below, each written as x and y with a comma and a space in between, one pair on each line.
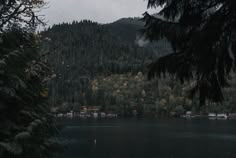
141, 41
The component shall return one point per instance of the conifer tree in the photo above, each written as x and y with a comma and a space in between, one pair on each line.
26, 128
203, 37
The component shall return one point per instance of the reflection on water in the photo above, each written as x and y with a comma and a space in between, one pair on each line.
149, 138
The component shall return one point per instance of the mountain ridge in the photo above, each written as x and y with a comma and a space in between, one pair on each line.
80, 51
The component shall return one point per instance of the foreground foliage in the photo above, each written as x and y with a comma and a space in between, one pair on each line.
203, 37
26, 128
24, 12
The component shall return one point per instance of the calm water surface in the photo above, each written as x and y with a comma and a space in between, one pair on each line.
149, 138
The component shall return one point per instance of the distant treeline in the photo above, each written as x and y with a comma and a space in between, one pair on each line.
79, 51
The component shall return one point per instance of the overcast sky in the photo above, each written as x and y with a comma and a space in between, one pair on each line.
102, 11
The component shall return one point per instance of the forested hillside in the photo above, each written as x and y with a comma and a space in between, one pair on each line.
80, 51
97, 64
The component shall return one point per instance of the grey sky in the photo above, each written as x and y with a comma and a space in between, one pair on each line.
102, 11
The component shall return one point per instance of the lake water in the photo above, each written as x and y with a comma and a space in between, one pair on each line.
133, 138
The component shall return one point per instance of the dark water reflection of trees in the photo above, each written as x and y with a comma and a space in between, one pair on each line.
149, 138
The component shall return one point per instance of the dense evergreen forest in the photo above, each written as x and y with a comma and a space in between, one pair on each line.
101, 64
117, 67
81, 51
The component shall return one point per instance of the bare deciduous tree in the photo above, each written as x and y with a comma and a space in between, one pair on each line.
23, 12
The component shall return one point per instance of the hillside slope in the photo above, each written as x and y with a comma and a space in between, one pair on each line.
80, 51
